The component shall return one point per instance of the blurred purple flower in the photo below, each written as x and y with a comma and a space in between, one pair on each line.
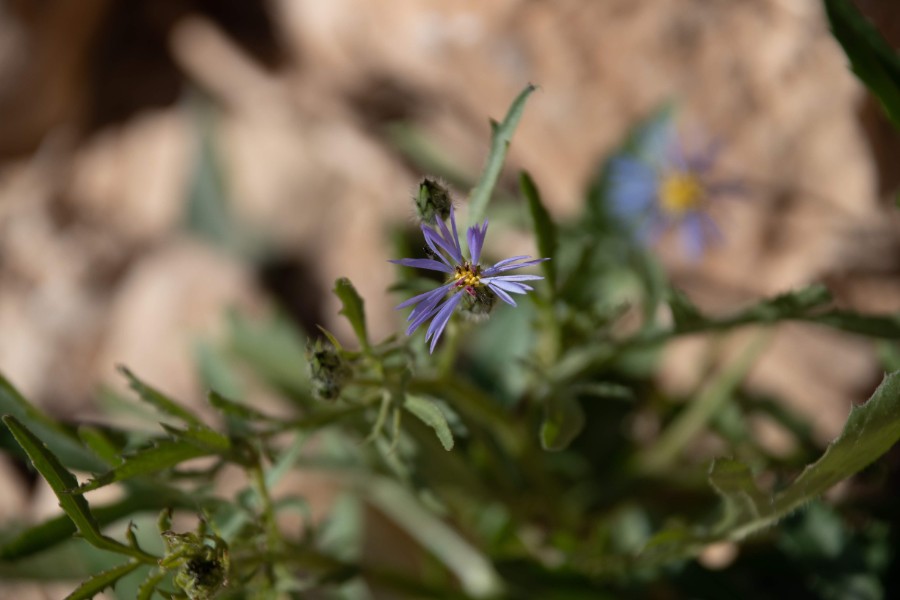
664, 186
463, 276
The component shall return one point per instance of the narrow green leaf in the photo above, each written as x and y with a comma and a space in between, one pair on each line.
159, 400
544, 227
163, 454
95, 439
563, 421
238, 410
873, 60
101, 581
274, 349
59, 439
202, 437
501, 136
352, 309
430, 413
61, 481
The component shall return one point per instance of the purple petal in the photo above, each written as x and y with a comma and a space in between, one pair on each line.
501, 294
510, 286
497, 268
441, 318
422, 297
518, 277
476, 238
451, 241
435, 241
423, 263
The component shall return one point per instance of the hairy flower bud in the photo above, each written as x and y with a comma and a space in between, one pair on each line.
202, 568
328, 371
433, 201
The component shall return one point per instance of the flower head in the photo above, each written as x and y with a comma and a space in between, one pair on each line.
466, 277
664, 186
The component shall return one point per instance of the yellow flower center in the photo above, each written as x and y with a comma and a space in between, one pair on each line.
467, 275
680, 192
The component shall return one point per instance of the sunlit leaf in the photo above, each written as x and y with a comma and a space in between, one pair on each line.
352, 309
430, 414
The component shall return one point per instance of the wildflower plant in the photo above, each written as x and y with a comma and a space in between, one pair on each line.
515, 461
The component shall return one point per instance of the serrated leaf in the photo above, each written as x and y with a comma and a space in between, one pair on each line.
101, 581
352, 309
160, 401
873, 60
163, 454
430, 413
563, 421
544, 227
871, 430
501, 136
61, 481
202, 437
60, 440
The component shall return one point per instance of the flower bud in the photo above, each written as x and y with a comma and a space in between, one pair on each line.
328, 371
202, 568
433, 201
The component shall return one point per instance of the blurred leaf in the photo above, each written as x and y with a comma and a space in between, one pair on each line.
872, 58
101, 581
352, 309
60, 440
163, 454
563, 421
501, 136
202, 437
684, 313
274, 350
871, 430
160, 401
237, 410
95, 439
215, 371
430, 414
475, 572
544, 227
698, 413
59, 529
61, 482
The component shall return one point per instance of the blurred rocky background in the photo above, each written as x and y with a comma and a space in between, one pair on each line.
126, 126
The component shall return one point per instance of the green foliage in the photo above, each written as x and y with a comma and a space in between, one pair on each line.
534, 455
501, 137
873, 60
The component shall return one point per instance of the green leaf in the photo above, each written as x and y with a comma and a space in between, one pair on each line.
238, 410
101, 581
544, 227
563, 421
871, 57
58, 438
274, 350
684, 313
501, 136
163, 454
159, 400
870, 431
61, 481
202, 437
430, 413
352, 309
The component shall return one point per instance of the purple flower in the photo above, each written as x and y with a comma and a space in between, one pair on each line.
664, 186
464, 276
